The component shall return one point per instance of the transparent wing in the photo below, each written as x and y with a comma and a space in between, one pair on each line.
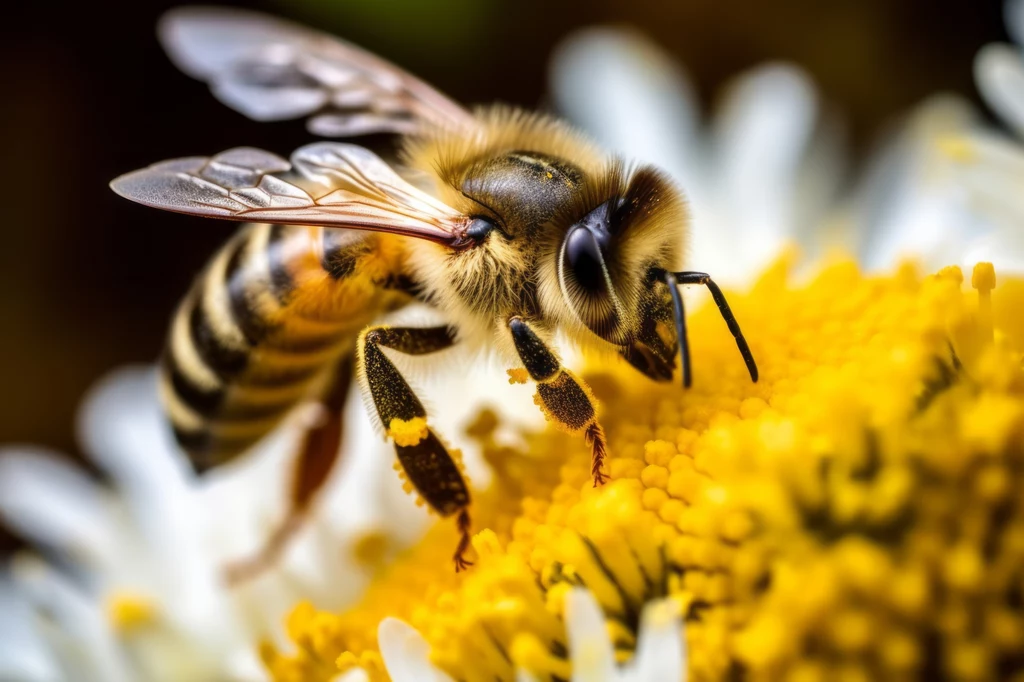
270, 69
326, 183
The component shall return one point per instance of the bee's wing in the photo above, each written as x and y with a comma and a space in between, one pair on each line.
326, 183
271, 69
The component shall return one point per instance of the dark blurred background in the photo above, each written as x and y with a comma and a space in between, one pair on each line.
88, 281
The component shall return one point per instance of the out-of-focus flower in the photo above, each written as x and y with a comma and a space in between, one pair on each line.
133, 586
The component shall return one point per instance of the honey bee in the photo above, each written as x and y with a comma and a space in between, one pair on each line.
511, 224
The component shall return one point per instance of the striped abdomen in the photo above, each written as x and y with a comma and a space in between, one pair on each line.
262, 328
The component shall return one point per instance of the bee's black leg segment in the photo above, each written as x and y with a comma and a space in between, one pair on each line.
319, 451
723, 307
563, 397
680, 315
427, 463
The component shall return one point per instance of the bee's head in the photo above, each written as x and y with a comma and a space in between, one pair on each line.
611, 259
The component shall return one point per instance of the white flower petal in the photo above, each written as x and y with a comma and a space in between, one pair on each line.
123, 429
406, 654
909, 205
819, 185
23, 655
760, 139
990, 167
631, 96
661, 649
354, 675
1004, 248
999, 74
51, 501
244, 665
590, 649
72, 622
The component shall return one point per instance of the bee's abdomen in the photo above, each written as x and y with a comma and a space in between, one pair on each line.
263, 324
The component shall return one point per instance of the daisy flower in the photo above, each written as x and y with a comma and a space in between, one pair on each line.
850, 516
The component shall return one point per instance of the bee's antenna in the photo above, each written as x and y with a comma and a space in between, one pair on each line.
673, 279
684, 342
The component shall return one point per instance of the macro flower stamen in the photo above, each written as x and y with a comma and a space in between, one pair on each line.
806, 513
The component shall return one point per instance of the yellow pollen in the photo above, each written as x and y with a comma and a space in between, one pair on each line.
130, 613
517, 376
408, 433
372, 547
953, 273
852, 516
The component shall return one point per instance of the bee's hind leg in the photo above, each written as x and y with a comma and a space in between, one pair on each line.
319, 452
427, 463
563, 397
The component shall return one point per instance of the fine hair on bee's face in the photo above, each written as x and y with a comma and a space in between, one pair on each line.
609, 257
512, 225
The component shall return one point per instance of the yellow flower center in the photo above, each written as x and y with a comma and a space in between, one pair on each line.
854, 515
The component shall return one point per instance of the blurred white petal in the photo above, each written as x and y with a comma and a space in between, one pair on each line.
23, 655
999, 73
590, 649
122, 428
991, 168
1003, 247
661, 649
354, 675
910, 205
50, 501
631, 96
73, 625
759, 140
406, 654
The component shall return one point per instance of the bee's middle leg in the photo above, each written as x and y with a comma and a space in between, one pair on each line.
565, 398
317, 454
427, 463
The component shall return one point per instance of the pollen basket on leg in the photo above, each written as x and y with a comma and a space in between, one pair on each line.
434, 474
565, 402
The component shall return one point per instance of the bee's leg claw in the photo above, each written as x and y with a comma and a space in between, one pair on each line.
598, 449
426, 461
565, 399
461, 563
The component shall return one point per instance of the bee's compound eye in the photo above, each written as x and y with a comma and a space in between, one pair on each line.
479, 227
584, 259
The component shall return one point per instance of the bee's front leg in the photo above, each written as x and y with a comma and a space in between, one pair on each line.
427, 463
565, 399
